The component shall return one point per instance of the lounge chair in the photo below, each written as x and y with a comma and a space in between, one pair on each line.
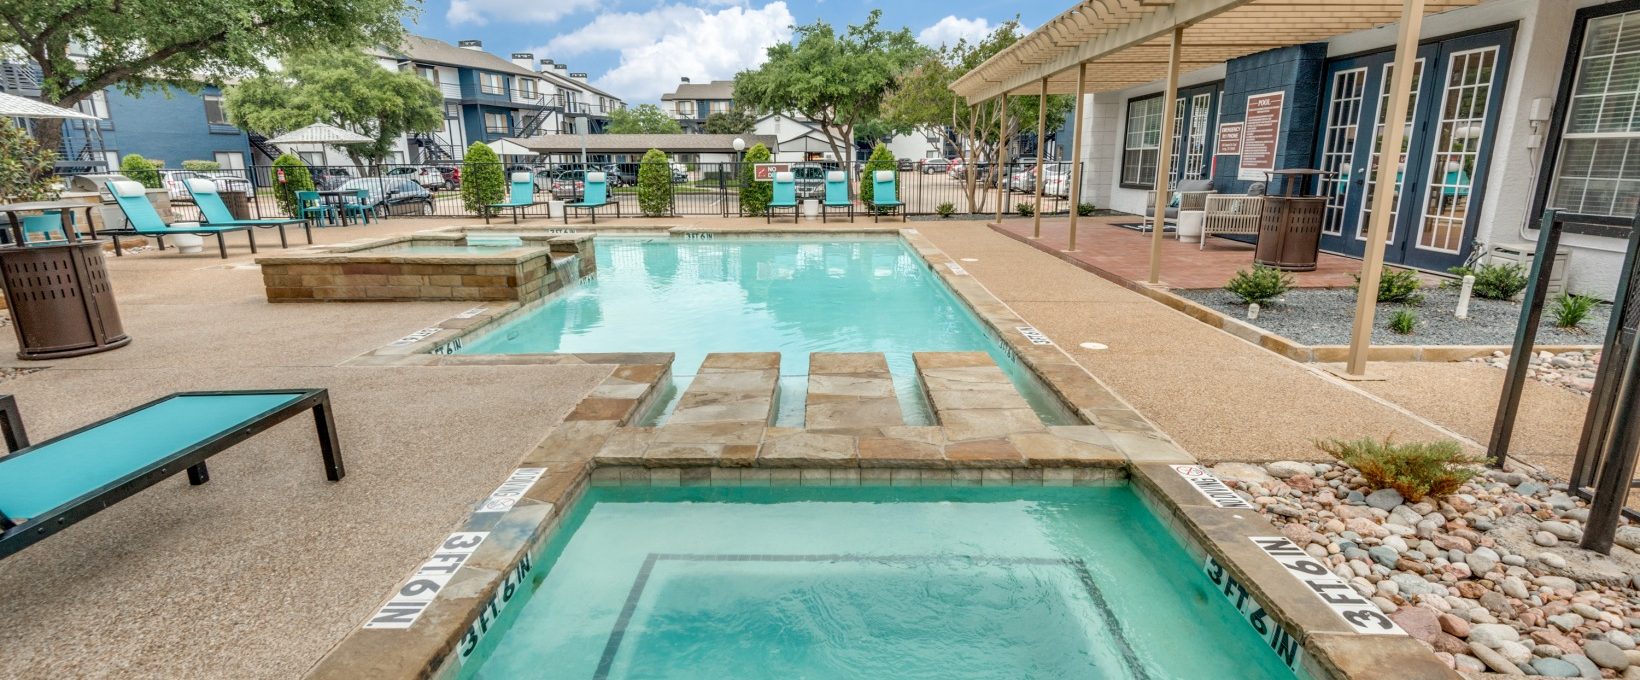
785, 196
54, 484
214, 213
142, 220
519, 197
836, 194
884, 195
596, 196
311, 207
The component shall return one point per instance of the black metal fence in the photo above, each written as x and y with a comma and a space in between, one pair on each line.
697, 189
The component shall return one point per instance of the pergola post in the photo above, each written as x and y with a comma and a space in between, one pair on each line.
1164, 155
1383, 199
1041, 131
1002, 152
1076, 149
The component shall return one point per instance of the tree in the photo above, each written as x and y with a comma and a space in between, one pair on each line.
137, 44
836, 81
735, 121
25, 167
880, 159
924, 101
754, 195
290, 175
644, 119
140, 170
655, 184
482, 182
344, 87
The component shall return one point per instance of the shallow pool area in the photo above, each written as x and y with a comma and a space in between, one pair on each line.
471, 245
866, 582
750, 294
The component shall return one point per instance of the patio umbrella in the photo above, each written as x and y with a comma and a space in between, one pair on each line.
508, 147
321, 133
13, 106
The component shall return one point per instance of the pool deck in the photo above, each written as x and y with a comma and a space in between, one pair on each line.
260, 572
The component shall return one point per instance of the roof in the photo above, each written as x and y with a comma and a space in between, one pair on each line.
640, 143
717, 89
434, 51
565, 81
12, 106
1125, 42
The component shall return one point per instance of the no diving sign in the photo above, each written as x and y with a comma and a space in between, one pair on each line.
1209, 485
506, 496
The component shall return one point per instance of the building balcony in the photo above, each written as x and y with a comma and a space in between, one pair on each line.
450, 90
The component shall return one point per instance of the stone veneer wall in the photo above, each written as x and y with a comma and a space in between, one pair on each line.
334, 278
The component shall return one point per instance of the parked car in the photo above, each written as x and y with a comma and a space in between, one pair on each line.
934, 165
426, 175
330, 177
452, 176
906, 165
543, 176
810, 179
619, 175
1056, 181
174, 182
680, 173
568, 185
1023, 178
392, 195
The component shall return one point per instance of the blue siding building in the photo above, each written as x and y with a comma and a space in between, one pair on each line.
172, 126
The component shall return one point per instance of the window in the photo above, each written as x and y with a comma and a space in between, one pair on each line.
496, 122
230, 160
1598, 170
526, 88
1141, 146
428, 72
686, 109
215, 114
492, 83
719, 106
312, 158
931, 153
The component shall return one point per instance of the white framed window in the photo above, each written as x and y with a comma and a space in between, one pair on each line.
312, 158
429, 73
1371, 183
1338, 146
1142, 143
492, 83
1465, 100
230, 160
1598, 171
496, 122
215, 113
686, 109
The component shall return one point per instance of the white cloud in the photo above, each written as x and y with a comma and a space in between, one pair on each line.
949, 30
479, 12
669, 42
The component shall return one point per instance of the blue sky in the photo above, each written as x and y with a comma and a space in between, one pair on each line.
639, 50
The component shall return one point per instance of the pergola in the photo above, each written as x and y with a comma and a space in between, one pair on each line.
1109, 45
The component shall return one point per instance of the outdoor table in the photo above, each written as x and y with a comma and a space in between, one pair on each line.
15, 235
338, 197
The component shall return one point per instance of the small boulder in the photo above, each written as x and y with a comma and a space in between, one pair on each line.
1418, 622
1385, 499
1490, 634
1606, 655
1283, 469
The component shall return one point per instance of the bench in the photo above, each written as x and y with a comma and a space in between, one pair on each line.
49, 486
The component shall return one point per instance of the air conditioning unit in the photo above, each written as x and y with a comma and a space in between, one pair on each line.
1522, 254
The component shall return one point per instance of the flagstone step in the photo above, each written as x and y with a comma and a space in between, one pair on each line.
973, 399
850, 390
731, 388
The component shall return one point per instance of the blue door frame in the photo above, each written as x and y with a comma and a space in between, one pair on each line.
1436, 217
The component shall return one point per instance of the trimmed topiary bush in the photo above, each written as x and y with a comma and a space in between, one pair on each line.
140, 170
482, 180
1416, 469
201, 166
754, 195
881, 159
1260, 285
297, 177
655, 184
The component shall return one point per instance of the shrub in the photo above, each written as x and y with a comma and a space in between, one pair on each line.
140, 170
945, 209
1396, 285
297, 178
1085, 209
25, 168
655, 184
1571, 310
1260, 285
1025, 209
754, 195
482, 180
1416, 469
1403, 321
880, 159
1495, 281
201, 166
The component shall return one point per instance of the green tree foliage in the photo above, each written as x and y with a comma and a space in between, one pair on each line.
836, 80
201, 166
140, 170
136, 44
641, 120
25, 167
655, 184
482, 181
341, 86
297, 177
736, 121
754, 195
880, 159
923, 100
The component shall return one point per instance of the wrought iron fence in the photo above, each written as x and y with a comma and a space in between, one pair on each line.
697, 189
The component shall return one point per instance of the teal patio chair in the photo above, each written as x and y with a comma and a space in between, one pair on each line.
883, 195
213, 212
836, 194
48, 225
311, 207
785, 196
54, 484
595, 197
520, 195
360, 205
142, 220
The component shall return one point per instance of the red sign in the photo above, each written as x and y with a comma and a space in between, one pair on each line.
1229, 140
764, 172
1261, 134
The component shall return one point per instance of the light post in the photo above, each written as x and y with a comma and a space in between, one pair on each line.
740, 148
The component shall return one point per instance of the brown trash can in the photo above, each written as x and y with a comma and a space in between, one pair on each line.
239, 204
61, 300
1289, 229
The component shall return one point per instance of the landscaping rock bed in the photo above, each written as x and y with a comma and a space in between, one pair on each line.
1489, 577
1322, 316
1571, 370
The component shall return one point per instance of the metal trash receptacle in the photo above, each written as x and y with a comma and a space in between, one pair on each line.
61, 300
1289, 230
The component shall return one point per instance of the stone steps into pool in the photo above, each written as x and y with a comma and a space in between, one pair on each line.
850, 389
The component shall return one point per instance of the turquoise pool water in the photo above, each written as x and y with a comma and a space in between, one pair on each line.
442, 247
868, 582
763, 295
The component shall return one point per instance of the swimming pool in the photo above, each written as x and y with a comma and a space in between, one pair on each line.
467, 246
747, 294
866, 582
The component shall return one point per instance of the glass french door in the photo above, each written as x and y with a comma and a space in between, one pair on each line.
1441, 166
1193, 114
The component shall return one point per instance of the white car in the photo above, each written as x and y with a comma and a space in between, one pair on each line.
174, 181
426, 175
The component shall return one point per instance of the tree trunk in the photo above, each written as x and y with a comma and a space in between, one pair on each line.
49, 133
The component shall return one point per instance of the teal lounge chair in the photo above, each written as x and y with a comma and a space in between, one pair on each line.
836, 194
595, 197
214, 213
54, 484
142, 220
883, 195
519, 197
311, 207
785, 196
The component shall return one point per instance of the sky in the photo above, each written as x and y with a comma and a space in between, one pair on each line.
639, 50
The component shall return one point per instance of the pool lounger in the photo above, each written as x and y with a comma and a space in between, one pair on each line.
51, 485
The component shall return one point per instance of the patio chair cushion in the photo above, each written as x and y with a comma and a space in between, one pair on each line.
785, 177
835, 176
595, 177
1194, 185
521, 177
885, 175
200, 186
127, 188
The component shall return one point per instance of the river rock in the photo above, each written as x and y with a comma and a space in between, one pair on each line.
1452, 625
1585, 667
1384, 555
1606, 655
1283, 469
1418, 622
1545, 539
1496, 603
1385, 499
1493, 660
1561, 530
1554, 668
1490, 634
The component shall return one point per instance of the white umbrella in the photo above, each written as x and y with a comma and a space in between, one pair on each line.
321, 133
13, 106
508, 147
